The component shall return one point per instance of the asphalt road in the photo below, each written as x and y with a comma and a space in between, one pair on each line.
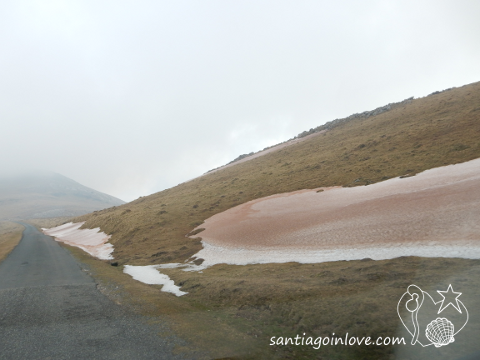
51, 309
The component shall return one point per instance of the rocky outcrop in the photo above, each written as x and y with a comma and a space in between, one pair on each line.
241, 157
441, 91
366, 114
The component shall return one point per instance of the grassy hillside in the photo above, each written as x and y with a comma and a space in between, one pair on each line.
233, 311
416, 135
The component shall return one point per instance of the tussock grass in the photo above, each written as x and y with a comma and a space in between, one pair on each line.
358, 297
10, 236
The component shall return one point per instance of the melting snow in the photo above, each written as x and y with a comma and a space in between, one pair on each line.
432, 214
150, 275
92, 241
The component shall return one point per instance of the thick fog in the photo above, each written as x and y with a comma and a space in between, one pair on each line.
132, 97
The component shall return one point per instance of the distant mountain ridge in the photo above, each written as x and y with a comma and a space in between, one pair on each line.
43, 194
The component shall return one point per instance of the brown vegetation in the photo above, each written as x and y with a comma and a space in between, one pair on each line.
10, 236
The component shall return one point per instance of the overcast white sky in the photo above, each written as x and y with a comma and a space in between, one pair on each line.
132, 97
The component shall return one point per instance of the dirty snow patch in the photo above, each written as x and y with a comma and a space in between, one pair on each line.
92, 241
234, 256
150, 275
432, 214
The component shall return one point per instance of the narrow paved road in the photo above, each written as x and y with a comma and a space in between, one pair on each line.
51, 309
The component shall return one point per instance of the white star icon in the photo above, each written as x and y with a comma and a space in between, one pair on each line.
450, 297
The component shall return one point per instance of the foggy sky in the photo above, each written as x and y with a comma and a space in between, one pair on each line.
132, 97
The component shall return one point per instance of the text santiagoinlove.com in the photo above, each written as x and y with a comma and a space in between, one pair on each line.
317, 342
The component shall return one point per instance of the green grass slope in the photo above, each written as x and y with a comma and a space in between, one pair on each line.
413, 136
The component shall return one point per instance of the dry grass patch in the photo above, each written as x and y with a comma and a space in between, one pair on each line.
10, 236
49, 222
358, 297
